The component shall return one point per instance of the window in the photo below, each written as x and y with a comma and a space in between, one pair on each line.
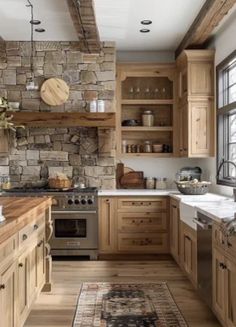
226, 116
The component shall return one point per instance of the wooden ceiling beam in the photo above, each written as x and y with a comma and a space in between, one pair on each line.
210, 15
83, 17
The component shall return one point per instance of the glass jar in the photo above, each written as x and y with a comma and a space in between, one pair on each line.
161, 183
150, 183
148, 118
147, 148
101, 106
93, 106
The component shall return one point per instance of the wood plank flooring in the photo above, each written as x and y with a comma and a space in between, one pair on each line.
57, 308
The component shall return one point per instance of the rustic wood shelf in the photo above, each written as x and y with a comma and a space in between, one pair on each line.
147, 129
153, 155
64, 119
147, 101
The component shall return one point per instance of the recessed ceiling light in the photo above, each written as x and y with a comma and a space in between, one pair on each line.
144, 30
146, 22
40, 30
35, 22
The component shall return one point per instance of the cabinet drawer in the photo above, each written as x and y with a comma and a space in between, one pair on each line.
143, 243
8, 248
142, 222
141, 204
31, 229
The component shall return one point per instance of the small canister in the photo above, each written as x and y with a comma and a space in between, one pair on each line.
150, 183
93, 106
147, 148
148, 118
101, 106
161, 183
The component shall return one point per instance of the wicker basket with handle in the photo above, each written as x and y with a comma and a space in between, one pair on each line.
59, 183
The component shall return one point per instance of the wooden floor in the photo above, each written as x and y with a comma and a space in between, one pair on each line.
57, 308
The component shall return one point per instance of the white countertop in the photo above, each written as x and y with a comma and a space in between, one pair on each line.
136, 192
219, 208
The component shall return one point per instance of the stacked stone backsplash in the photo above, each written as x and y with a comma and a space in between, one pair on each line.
84, 154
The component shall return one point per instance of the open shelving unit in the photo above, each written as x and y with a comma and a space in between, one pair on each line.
143, 87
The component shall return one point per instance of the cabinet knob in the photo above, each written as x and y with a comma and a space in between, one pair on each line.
2, 287
181, 150
21, 264
229, 244
36, 227
24, 237
40, 243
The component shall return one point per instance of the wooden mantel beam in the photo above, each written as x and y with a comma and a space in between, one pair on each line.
210, 15
83, 17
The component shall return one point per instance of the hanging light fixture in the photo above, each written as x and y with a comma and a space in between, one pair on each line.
31, 84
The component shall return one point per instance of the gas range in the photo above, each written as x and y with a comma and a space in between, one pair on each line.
73, 199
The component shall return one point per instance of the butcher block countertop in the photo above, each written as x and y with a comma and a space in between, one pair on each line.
19, 211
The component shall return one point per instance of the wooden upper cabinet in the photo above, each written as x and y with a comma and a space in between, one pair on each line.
196, 103
140, 88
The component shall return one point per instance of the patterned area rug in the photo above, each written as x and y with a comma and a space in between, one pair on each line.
127, 305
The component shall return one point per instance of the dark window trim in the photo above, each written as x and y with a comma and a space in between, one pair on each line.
220, 112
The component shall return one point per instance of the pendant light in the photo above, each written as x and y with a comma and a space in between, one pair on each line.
31, 84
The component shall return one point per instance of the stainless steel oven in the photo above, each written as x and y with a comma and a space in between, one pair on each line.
75, 224
74, 232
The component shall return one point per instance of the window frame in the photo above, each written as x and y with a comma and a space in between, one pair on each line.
222, 122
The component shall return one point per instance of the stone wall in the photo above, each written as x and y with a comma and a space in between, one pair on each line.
85, 154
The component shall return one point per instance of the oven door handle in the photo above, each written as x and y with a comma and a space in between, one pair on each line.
202, 225
73, 212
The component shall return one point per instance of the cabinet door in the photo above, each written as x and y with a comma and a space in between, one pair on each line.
40, 262
174, 229
184, 130
107, 225
189, 252
8, 297
33, 274
23, 290
230, 290
201, 79
218, 284
201, 124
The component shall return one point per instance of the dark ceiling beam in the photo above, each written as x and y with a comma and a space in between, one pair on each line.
210, 15
83, 17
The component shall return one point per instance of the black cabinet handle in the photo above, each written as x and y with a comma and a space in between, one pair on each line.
36, 227
21, 264
2, 287
40, 243
24, 237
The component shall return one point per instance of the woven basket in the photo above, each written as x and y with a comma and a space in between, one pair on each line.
59, 183
188, 188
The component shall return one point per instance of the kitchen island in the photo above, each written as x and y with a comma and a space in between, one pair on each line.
25, 260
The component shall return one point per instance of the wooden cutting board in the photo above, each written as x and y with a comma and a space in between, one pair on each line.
54, 92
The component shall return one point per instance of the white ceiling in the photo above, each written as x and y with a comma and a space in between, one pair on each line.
54, 14
119, 20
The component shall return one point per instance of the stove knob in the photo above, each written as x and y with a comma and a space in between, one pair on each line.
70, 202
77, 201
83, 201
90, 201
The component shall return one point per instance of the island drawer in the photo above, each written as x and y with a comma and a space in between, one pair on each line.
136, 204
31, 229
142, 222
143, 242
8, 248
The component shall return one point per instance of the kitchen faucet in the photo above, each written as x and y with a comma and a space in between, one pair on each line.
223, 162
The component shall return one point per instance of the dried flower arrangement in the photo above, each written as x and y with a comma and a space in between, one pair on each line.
5, 118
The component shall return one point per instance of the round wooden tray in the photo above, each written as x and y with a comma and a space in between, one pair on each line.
54, 91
